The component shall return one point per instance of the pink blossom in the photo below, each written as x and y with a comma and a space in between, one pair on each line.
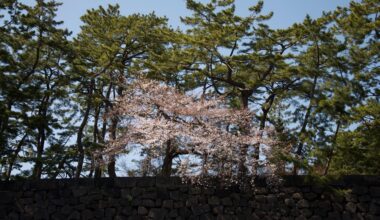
208, 135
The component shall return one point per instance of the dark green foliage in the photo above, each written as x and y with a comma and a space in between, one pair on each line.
316, 82
34, 86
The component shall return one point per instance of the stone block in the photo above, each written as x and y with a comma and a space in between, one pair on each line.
208, 191
213, 200
184, 212
173, 213
261, 191
146, 182
152, 195
217, 210
229, 210
87, 214
157, 213
125, 182
66, 210
163, 193
6, 197
374, 191
120, 217
306, 212
303, 204
374, 209
200, 209
315, 217
351, 197
333, 216
310, 196
290, 202
109, 212
350, 207
227, 201
195, 191
360, 190
89, 199
127, 211
142, 210
297, 196
322, 207
364, 198
136, 191
74, 216
191, 201
167, 204
363, 207
135, 217
148, 203
260, 198
178, 204
206, 217
79, 191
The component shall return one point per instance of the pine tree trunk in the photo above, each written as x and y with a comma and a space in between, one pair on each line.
81, 129
168, 160
331, 153
308, 111
37, 170
14, 157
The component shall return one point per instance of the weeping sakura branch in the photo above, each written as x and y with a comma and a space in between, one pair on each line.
202, 134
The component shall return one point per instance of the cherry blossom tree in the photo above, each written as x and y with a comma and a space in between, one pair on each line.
202, 133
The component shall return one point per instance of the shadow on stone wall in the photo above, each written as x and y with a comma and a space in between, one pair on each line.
300, 197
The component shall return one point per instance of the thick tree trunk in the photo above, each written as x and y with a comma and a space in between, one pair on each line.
98, 172
244, 96
168, 160
112, 164
111, 167
37, 170
265, 109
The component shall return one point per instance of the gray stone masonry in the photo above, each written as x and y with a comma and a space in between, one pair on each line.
299, 197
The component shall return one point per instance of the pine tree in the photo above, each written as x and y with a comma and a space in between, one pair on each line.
110, 48
358, 144
239, 57
36, 85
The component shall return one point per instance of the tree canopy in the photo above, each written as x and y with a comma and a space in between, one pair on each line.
69, 103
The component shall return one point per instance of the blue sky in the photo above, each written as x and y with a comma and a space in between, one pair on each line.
286, 12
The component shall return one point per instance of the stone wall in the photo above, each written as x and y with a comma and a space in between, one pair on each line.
351, 197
